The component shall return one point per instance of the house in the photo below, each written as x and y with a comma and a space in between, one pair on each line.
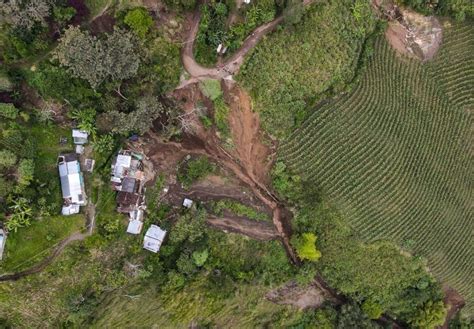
187, 203
154, 237
72, 184
135, 224
3, 239
128, 180
79, 136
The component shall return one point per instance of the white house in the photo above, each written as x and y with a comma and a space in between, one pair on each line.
3, 239
154, 237
187, 203
79, 136
72, 184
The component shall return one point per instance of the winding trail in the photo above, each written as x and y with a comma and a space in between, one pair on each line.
232, 65
77, 236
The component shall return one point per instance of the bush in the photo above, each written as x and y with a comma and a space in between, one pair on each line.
26, 171
372, 309
430, 316
7, 159
194, 170
305, 246
139, 20
8, 111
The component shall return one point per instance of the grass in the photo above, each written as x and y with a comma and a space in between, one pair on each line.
395, 155
194, 170
48, 148
32, 243
238, 209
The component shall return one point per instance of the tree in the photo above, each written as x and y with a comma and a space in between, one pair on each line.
305, 245
7, 159
85, 119
21, 214
350, 316
8, 111
200, 257
293, 12
372, 309
25, 172
139, 20
430, 316
25, 13
114, 58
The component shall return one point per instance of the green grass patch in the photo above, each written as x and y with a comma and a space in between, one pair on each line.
30, 244
238, 209
193, 170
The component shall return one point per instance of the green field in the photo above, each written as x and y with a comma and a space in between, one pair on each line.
31, 244
395, 155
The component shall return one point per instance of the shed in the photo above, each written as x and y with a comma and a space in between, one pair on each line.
70, 209
134, 226
79, 136
154, 237
128, 184
187, 203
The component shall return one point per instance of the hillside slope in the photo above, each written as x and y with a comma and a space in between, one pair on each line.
395, 155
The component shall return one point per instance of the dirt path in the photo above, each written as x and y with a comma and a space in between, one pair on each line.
77, 236
232, 65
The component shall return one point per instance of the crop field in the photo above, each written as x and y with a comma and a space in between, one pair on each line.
396, 155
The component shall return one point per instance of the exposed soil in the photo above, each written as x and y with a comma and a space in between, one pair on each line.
244, 124
254, 229
300, 297
454, 302
410, 33
102, 24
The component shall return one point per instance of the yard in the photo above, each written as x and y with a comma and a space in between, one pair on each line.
30, 244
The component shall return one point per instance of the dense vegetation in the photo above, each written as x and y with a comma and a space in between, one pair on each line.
294, 68
394, 155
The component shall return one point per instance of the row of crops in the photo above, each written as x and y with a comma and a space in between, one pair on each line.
396, 155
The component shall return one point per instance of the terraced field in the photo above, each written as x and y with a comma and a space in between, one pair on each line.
396, 155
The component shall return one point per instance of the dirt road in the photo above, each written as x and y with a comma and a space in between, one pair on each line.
232, 65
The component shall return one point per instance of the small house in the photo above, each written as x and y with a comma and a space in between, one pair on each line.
72, 184
187, 203
154, 237
135, 224
79, 136
3, 240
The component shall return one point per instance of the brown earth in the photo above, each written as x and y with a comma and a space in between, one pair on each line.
254, 229
300, 297
454, 302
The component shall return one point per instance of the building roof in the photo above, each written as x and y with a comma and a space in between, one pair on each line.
127, 198
79, 136
187, 203
134, 226
70, 209
128, 184
72, 184
154, 237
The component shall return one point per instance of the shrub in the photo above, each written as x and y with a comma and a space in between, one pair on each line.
25, 172
372, 309
7, 158
194, 170
8, 111
305, 245
430, 316
139, 20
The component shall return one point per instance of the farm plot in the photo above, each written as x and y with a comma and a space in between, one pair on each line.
395, 155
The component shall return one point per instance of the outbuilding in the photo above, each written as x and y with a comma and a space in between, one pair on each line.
79, 136
154, 237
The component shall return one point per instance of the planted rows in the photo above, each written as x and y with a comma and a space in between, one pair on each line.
395, 155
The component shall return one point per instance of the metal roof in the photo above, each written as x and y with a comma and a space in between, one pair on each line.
154, 238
